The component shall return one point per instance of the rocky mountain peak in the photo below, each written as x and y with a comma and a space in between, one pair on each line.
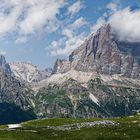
4, 66
103, 53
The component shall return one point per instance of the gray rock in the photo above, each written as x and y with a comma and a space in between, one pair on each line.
61, 66
4, 66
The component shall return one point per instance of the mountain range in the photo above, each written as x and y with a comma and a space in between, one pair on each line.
101, 78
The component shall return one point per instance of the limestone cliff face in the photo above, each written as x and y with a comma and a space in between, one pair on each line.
103, 53
4, 66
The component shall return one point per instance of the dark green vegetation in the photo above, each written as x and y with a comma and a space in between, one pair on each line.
10, 113
128, 129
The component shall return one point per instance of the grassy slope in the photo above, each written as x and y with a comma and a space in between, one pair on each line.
128, 129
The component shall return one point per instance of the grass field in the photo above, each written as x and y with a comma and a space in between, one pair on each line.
128, 128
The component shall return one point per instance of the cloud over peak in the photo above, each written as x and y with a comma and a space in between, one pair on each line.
126, 23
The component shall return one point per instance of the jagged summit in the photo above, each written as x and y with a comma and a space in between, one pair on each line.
4, 66
103, 53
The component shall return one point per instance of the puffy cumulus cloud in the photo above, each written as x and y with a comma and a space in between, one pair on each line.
70, 40
126, 24
69, 45
28, 16
8, 20
75, 8
41, 13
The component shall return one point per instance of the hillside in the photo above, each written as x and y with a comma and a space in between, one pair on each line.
126, 128
96, 98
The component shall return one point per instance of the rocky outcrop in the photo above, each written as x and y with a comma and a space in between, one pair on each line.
61, 66
103, 53
4, 66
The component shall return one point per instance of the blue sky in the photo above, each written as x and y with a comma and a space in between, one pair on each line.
41, 31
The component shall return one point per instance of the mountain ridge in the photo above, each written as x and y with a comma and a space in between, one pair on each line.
27, 72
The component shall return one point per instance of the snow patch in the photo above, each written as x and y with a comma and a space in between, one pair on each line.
94, 99
13, 126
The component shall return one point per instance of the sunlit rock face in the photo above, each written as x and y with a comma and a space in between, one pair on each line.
103, 53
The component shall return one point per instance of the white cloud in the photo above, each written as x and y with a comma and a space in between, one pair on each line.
75, 8
21, 39
69, 30
68, 33
40, 14
69, 45
2, 53
100, 22
70, 40
72, 43
112, 6
28, 16
126, 24
78, 23
8, 21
